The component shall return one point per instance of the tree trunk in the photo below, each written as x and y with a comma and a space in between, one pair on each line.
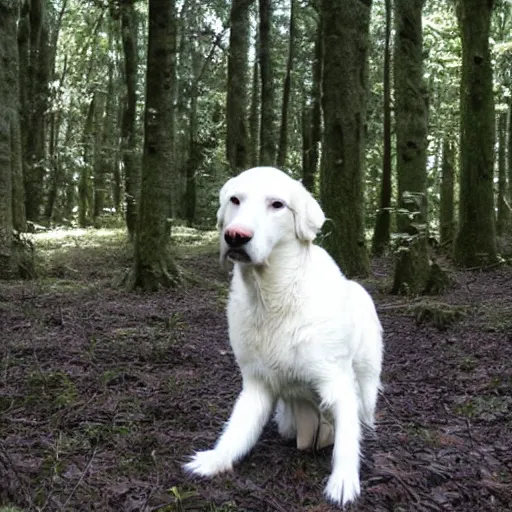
153, 266
314, 119
98, 180
411, 121
34, 45
236, 109
117, 178
106, 130
254, 116
308, 177
283, 133
509, 154
268, 114
128, 128
195, 152
346, 32
84, 181
10, 143
446, 210
193, 162
503, 210
475, 243
6, 226
381, 234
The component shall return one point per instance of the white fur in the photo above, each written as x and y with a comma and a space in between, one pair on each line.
301, 332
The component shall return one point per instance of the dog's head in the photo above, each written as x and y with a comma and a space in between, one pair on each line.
261, 209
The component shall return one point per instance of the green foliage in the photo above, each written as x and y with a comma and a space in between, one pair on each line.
86, 36
53, 388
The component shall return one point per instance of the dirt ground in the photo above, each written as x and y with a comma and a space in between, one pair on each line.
104, 393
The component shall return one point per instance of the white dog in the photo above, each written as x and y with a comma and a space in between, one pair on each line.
307, 340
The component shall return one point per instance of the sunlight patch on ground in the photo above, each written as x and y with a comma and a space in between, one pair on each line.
63, 248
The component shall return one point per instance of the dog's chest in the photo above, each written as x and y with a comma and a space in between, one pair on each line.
269, 344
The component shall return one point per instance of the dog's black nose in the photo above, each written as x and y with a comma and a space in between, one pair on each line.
235, 239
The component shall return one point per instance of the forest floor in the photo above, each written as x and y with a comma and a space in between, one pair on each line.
104, 393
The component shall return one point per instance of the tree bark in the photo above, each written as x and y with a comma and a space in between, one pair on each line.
128, 128
475, 243
34, 46
254, 116
236, 109
346, 32
268, 114
381, 234
283, 133
509, 156
84, 180
10, 143
411, 122
446, 210
105, 127
309, 174
153, 267
503, 217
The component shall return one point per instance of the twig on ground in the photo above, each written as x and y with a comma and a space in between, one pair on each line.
80, 480
469, 434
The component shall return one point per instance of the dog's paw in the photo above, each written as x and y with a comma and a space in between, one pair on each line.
343, 488
208, 463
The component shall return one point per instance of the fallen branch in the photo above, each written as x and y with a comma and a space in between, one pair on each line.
80, 480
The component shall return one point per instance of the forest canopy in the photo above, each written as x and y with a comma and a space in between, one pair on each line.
397, 116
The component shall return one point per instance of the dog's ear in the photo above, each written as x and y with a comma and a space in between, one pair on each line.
309, 217
223, 201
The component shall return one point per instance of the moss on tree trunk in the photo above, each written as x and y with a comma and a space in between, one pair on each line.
411, 115
312, 116
237, 149
10, 141
381, 234
268, 135
345, 29
503, 218
475, 243
153, 267
129, 120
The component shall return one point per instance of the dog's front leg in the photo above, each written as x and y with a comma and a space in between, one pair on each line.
250, 414
339, 393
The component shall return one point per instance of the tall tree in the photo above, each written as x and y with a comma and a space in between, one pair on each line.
509, 156
254, 117
502, 221
105, 128
411, 115
84, 180
10, 138
238, 65
153, 267
34, 47
475, 243
128, 123
346, 32
381, 234
446, 207
254, 113
283, 132
268, 114
312, 116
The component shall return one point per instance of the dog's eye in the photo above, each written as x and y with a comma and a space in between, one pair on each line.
277, 205
234, 200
